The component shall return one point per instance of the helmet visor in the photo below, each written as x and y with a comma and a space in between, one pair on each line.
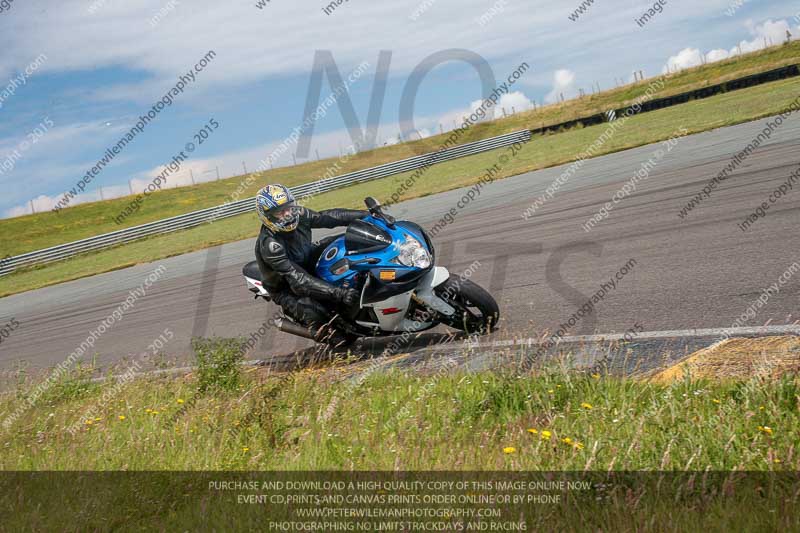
283, 217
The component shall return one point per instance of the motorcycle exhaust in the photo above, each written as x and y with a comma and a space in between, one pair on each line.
293, 328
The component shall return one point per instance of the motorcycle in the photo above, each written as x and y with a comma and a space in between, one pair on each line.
392, 264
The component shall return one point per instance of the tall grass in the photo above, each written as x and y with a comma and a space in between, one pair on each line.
555, 420
609, 431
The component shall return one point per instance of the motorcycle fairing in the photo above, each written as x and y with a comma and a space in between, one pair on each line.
336, 251
391, 312
388, 299
252, 276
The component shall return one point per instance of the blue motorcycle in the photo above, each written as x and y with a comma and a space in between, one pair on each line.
392, 264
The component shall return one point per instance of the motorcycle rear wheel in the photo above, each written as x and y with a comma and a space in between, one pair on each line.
476, 309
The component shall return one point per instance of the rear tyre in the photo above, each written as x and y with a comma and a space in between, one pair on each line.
476, 309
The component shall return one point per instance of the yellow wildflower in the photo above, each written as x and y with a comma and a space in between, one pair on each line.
97, 419
533, 431
546, 435
716, 401
245, 449
586, 405
596, 376
122, 417
776, 460
148, 410
567, 440
765, 429
89, 422
578, 446
180, 400
509, 449
551, 391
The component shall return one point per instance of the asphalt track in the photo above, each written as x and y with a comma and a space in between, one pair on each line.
701, 272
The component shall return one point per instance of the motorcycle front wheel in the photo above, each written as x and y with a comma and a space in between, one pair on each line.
476, 309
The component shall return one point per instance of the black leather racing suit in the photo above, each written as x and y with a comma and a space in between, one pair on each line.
285, 260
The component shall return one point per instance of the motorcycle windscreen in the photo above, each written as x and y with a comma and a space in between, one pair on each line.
363, 237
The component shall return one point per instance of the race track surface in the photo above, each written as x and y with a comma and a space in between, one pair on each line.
699, 272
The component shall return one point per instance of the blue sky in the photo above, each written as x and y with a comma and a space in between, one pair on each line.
94, 66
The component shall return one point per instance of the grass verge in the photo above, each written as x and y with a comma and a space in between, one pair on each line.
656, 455
556, 419
541, 152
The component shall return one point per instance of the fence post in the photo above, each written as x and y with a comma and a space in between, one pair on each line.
33, 209
130, 186
191, 175
244, 166
217, 168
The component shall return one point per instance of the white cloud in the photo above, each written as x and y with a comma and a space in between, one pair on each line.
686, 58
16, 211
391, 141
563, 83
717, 55
764, 35
767, 34
516, 101
118, 34
44, 202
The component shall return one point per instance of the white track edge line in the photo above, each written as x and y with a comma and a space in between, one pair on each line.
675, 333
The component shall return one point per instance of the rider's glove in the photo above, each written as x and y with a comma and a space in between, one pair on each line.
348, 297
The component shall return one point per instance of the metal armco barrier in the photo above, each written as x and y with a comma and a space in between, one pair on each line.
196, 218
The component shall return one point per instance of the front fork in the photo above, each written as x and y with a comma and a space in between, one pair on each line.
426, 294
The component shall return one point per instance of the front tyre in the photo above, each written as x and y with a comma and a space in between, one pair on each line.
476, 309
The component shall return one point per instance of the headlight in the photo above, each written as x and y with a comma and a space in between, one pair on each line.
412, 253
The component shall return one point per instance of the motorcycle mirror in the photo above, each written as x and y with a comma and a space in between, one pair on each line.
375, 210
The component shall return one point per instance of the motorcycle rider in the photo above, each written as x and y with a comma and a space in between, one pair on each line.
286, 255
